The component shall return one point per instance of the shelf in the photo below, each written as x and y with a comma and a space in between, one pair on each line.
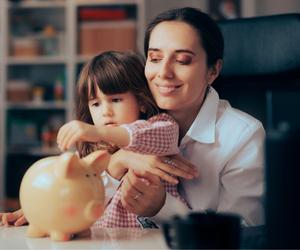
82, 59
36, 60
36, 105
80, 3
38, 4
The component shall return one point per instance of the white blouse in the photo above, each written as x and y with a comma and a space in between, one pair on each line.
227, 146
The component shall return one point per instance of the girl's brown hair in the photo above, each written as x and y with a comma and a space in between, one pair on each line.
113, 73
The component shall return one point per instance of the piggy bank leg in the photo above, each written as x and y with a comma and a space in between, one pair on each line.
84, 234
35, 232
60, 236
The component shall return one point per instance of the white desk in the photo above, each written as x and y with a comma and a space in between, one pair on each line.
115, 238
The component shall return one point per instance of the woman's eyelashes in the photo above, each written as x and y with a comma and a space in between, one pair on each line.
154, 59
182, 59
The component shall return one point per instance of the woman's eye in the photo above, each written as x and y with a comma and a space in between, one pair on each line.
184, 61
154, 60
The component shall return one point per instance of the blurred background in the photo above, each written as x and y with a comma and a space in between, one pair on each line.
44, 44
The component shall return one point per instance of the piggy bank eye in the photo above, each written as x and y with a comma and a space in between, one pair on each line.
87, 175
95, 174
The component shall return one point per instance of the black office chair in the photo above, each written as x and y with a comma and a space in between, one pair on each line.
261, 72
261, 75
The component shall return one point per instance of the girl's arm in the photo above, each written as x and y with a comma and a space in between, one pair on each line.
75, 131
157, 136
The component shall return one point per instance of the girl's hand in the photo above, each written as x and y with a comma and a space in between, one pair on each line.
167, 168
15, 218
75, 131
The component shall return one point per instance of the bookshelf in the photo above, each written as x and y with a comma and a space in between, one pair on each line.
43, 45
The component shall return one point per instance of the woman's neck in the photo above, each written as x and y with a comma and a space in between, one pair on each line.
184, 119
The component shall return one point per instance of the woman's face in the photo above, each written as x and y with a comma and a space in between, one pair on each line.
176, 67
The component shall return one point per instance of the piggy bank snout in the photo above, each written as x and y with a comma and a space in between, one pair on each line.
93, 210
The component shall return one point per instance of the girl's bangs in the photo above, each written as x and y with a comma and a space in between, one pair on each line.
110, 80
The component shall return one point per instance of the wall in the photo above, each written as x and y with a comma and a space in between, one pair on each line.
270, 7
250, 8
154, 7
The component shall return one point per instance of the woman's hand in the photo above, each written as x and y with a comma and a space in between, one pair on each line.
75, 131
167, 168
142, 196
15, 218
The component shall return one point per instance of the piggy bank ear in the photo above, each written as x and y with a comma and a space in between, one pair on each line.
66, 165
98, 160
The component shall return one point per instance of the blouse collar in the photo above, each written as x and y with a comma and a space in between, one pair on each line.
204, 126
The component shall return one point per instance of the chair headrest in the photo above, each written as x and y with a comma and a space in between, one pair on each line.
261, 45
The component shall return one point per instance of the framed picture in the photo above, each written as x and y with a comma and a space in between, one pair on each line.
225, 9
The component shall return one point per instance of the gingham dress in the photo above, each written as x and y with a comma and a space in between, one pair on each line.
158, 136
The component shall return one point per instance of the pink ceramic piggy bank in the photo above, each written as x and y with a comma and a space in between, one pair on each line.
63, 195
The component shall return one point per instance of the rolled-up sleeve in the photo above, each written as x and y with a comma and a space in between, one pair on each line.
157, 136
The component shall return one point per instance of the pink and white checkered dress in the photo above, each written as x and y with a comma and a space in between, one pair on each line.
158, 136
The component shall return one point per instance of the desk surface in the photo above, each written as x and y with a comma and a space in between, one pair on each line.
114, 238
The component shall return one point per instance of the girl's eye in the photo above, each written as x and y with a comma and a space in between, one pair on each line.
95, 104
116, 99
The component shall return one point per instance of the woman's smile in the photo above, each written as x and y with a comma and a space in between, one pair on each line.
166, 89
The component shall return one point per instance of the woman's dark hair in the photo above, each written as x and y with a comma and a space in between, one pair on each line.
208, 31
113, 73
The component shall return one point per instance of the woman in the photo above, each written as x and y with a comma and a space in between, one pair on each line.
184, 51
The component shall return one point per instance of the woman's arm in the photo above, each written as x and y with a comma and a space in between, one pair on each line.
139, 180
150, 192
167, 168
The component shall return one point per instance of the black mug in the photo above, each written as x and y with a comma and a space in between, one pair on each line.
203, 231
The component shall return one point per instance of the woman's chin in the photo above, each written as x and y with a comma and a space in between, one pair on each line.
168, 105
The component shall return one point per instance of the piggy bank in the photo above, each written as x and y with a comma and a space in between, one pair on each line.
63, 195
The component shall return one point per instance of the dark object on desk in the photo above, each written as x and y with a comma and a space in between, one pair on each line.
253, 237
203, 231
282, 188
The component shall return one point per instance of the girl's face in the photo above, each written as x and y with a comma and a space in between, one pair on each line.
176, 67
112, 110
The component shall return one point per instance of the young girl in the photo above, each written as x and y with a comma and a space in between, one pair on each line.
112, 100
